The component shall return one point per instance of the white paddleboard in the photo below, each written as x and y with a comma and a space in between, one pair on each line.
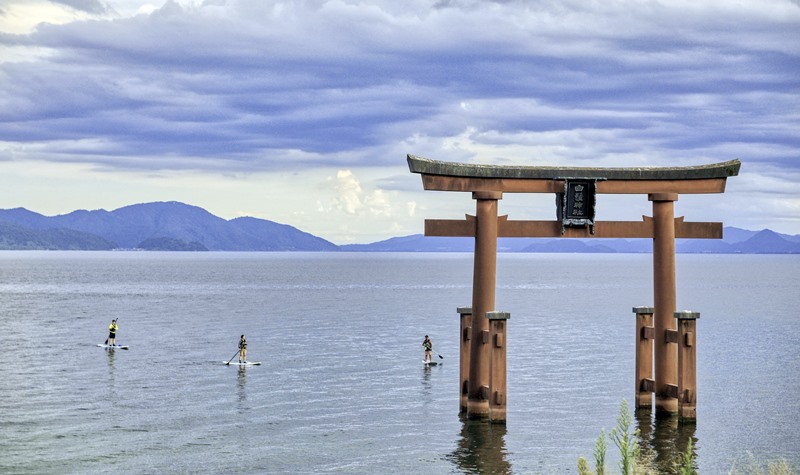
430, 363
121, 347
236, 363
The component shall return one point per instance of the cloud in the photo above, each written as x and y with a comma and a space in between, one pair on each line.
352, 199
349, 192
412, 208
88, 6
247, 86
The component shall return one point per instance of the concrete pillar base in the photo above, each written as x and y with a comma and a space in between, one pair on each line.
666, 405
644, 401
498, 416
463, 404
478, 409
688, 414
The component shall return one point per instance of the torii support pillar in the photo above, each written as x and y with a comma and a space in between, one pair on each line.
644, 357
465, 338
484, 280
498, 325
687, 365
666, 353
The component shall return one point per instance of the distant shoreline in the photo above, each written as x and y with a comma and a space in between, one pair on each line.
178, 227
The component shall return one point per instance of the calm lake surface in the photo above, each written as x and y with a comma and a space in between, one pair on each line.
343, 389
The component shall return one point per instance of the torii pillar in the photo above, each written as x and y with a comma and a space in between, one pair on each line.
664, 286
484, 282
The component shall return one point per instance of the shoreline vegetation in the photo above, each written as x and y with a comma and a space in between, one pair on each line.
635, 459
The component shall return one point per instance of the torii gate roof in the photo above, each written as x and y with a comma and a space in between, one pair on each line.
451, 176
435, 167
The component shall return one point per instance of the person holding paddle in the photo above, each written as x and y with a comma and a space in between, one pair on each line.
427, 344
242, 350
112, 333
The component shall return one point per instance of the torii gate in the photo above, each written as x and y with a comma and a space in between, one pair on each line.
483, 349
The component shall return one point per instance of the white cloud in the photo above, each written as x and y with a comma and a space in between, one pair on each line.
352, 199
411, 206
378, 203
348, 192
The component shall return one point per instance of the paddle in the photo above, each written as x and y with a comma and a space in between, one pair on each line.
440, 356
232, 357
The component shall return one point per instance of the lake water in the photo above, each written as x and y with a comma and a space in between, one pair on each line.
342, 388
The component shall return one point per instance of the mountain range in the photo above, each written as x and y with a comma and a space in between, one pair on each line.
167, 226
174, 226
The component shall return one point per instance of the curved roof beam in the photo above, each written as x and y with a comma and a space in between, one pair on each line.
427, 166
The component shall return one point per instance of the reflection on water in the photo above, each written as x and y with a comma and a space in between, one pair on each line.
481, 448
111, 352
241, 383
112, 388
665, 439
426, 380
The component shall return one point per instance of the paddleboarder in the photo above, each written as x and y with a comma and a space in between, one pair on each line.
427, 344
112, 332
242, 350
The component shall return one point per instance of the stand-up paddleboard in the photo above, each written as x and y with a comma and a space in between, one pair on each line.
118, 347
430, 363
236, 363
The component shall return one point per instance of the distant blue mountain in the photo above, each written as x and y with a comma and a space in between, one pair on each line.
173, 226
13, 236
735, 240
156, 226
766, 242
414, 243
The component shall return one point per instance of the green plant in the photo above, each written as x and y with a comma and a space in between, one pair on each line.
599, 458
632, 461
686, 466
626, 441
754, 467
583, 467
600, 453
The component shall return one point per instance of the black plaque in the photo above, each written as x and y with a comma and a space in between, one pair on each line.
576, 206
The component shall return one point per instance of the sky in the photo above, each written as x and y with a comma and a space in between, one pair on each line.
302, 112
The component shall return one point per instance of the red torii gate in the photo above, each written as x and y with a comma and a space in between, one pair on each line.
483, 349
